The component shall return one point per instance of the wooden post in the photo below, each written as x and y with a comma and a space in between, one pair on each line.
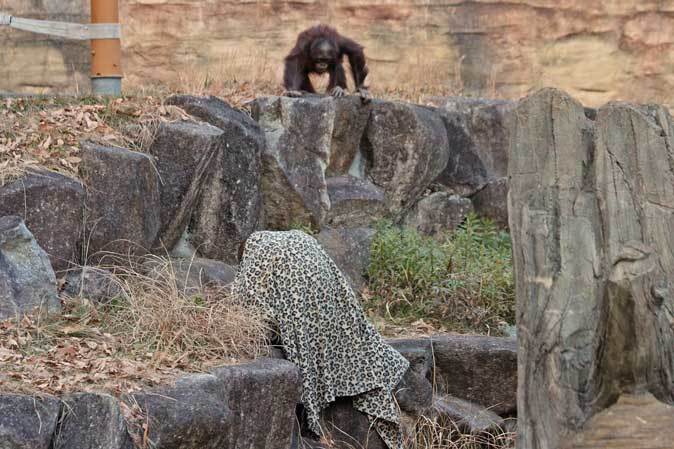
106, 54
591, 210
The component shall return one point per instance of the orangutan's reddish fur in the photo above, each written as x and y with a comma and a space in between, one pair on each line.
298, 63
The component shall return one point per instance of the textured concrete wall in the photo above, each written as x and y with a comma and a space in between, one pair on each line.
597, 51
37, 63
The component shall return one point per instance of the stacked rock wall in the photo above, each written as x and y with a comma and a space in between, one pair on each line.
253, 405
590, 211
335, 165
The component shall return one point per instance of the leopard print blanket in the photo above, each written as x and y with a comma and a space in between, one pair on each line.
323, 328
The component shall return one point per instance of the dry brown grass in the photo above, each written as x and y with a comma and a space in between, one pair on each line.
149, 334
156, 313
233, 73
443, 433
242, 77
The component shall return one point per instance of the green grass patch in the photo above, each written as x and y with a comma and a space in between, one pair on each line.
461, 281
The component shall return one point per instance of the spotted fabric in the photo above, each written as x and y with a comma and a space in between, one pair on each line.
322, 328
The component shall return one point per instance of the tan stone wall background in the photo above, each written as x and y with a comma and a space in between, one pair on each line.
38, 63
597, 51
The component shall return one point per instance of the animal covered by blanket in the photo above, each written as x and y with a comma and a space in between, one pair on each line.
322, 328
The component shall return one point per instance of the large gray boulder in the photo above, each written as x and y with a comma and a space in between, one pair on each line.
204, 272
438, 213
93, 283
183, 153
492, 201
250, 405
243, 130
469, 417
346, 427
52, 206
406, 147
191, 275
482, 370
92, 421
191, 414
262, 396
299, 140
477, 130
354, 202
27, 422
350, 249
414, 393
351, 117
27, 280
230, 203
122, 200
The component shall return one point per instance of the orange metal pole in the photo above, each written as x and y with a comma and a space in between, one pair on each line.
106, 54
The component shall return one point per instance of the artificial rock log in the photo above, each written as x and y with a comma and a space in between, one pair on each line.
554, 224
592, 218
635, 186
